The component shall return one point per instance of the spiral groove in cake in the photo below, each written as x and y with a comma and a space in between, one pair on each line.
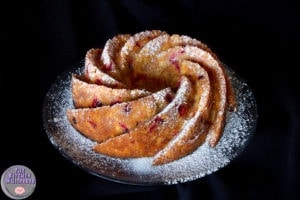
151, 94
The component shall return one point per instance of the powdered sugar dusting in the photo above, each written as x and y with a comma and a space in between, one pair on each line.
133, 41
154, 45
240, 125
95, 75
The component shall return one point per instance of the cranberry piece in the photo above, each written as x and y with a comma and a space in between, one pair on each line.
108, 67
127, 108
169, 97
93, 124
174, 61
155, 123
124, 128
74, 120
96, 103
182, 109
200, 77
137, 44
98, 81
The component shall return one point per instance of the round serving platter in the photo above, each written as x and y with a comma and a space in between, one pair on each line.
240, 126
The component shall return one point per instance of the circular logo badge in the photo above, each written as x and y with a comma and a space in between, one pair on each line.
18, 182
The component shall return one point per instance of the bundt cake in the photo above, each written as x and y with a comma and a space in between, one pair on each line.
151, 94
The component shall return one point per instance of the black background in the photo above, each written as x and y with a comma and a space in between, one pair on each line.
258, 39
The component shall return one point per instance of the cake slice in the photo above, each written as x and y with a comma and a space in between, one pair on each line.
102, 123
218, 86
150, 137
93, 73
194, 131
110, 56
89, 95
